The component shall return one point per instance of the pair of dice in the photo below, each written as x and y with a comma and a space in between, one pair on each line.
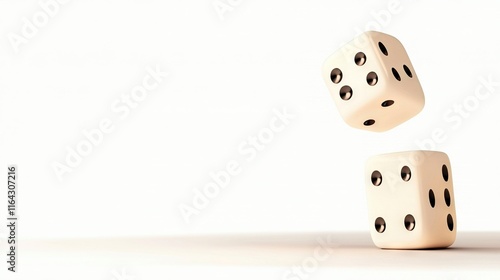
410, 194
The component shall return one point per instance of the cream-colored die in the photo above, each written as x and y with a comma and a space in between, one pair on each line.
373, 82
410, 200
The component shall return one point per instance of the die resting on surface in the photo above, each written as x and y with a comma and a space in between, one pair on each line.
373, 82
410, 200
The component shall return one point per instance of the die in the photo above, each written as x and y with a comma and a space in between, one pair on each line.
373, 82
410, 200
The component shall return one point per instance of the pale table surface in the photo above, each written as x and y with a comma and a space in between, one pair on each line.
350, 255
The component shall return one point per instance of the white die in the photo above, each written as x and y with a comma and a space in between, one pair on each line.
373, 82
410, 200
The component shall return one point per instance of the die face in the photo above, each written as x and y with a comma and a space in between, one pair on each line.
368, 93
438, 201
410, 200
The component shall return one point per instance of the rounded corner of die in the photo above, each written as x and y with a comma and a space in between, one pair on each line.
451, 240
422, 104
373, 33
443, 155
325, 65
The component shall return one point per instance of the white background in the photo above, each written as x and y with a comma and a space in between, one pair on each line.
227, 73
